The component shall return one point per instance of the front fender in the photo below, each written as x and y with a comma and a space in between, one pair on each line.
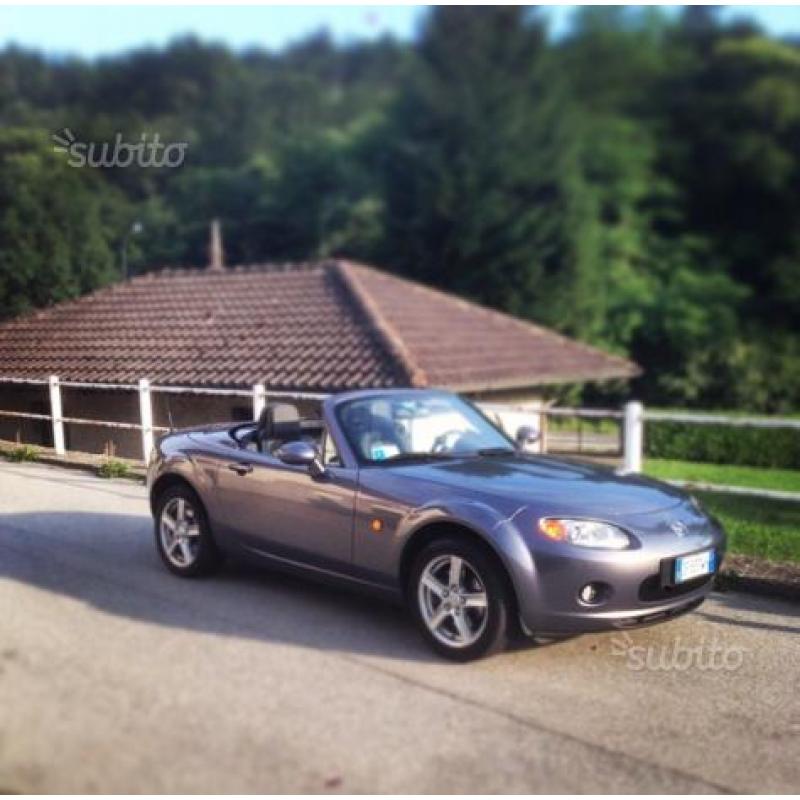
497, 529
176, 465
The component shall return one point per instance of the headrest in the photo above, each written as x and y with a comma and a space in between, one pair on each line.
279, 421
283, 412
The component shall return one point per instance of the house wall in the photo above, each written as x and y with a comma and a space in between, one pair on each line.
33, 399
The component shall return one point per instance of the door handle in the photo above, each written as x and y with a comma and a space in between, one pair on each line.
241, 469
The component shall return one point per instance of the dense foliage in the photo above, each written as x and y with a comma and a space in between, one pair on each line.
635, 184
723, 444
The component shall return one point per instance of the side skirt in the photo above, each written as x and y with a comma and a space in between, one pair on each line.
321, 574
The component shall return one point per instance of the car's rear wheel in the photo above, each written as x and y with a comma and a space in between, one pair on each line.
183, 535
459, 599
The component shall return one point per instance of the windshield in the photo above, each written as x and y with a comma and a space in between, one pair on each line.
406, 427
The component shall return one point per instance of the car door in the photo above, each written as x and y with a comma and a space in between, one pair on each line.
283, 511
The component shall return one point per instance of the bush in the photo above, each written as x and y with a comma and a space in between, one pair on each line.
23, 452
114, 469
722, 444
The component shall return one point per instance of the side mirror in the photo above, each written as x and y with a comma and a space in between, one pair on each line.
526, 436
301, 454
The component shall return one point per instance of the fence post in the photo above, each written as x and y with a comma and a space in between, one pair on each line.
536, 410
146, 415
57, 416
633, 437
259, 399
543, 423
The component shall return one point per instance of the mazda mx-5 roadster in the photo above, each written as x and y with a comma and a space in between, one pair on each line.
415, 494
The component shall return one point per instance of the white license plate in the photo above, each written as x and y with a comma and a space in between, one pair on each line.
695, 565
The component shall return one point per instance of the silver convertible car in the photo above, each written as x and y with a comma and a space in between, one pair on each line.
417, 495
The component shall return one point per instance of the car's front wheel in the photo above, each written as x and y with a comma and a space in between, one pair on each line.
459, 599
183, 535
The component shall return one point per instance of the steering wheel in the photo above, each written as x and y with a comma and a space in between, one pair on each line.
442, 442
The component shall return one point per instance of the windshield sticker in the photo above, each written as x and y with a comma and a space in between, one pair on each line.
382, 451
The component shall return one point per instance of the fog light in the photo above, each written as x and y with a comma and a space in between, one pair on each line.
589, 593
593, 593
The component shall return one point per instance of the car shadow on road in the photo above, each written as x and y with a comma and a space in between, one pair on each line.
752, 604
109, 561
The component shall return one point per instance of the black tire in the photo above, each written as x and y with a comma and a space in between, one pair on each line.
206, 555
496, 624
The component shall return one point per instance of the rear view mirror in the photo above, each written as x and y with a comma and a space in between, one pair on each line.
526, 436
298, 454
301, 454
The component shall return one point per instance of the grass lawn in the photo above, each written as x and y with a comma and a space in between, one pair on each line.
757, 527
784, 480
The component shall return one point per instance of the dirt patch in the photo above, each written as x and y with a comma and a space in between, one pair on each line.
760, 576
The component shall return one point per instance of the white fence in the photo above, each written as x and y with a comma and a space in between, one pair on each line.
631, 418
626, 444
258, 396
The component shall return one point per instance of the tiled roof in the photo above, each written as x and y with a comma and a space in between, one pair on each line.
324, 326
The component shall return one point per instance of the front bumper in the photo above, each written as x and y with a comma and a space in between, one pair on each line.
638, 592
595, 621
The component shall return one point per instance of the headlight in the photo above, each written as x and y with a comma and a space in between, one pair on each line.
585, 533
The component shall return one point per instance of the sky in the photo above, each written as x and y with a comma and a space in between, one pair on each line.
92, 31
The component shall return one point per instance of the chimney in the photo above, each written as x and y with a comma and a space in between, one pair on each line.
216, 257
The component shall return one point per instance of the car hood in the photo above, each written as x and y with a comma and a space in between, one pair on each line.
565, 486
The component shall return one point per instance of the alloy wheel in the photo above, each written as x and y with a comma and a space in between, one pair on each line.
179, 529
453, 601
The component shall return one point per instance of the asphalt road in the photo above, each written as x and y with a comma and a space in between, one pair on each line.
117, 677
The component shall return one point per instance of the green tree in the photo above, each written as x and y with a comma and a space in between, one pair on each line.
735, 119
472, 196
732, 142
56, 225
662, 293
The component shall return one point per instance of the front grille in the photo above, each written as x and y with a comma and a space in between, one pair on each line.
651, 590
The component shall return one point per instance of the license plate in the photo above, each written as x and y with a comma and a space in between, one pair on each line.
695, 565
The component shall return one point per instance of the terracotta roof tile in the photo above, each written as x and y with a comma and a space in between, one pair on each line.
325, 327
455, 343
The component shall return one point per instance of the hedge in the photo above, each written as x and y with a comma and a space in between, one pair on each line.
722, 444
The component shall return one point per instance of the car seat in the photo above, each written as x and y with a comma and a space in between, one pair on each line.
277, 424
